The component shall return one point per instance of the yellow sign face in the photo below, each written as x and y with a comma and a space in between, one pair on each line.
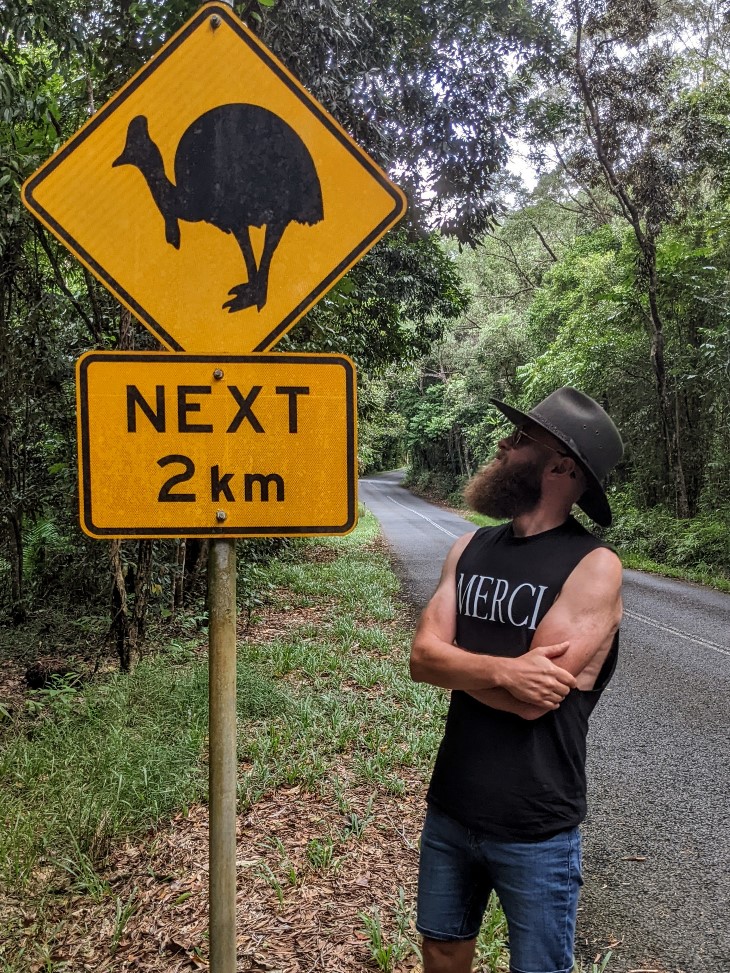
177, 445
213, 195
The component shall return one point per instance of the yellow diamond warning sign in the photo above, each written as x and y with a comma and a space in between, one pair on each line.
213, 195
175, 445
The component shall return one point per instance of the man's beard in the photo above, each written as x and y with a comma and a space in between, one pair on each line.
505, 490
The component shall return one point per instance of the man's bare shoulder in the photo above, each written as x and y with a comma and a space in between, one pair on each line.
461, 543
592, 589
601, 567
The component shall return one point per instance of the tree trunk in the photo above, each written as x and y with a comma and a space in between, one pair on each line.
142, 580
178, 587
12, 514
18, 610
128, 624
119, 629
645, 236
668, 416
196, 560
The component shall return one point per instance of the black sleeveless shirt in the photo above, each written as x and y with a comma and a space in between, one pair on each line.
509, 778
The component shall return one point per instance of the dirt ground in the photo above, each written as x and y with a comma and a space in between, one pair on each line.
293, 916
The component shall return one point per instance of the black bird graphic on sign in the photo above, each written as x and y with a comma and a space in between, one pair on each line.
236, 166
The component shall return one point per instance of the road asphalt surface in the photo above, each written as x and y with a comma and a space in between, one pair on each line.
657, 836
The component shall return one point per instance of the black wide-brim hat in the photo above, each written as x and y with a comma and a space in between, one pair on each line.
589, 436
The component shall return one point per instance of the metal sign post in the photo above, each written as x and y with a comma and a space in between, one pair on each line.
222, 760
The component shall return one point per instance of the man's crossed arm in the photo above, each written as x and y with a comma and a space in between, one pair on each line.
567, 651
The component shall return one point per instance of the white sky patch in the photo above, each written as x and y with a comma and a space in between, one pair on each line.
519, 163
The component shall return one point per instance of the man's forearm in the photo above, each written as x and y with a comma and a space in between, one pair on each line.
502, 700
531, 678
451, 667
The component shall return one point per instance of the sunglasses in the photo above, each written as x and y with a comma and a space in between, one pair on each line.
519, 434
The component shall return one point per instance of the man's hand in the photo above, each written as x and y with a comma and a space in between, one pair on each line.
533, 678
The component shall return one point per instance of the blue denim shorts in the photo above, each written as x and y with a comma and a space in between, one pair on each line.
538, 884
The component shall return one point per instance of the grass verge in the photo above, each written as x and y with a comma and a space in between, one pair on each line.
86, 766
326, 708
700, 575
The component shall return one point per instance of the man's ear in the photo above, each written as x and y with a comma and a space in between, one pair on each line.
565, 466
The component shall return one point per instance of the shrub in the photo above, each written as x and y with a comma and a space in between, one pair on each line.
702, 541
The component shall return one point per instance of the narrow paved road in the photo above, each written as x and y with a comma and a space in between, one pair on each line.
657, 839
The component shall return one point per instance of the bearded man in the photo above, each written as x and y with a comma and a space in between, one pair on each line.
523, 628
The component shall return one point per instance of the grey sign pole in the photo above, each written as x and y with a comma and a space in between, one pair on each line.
222, 761
222, 766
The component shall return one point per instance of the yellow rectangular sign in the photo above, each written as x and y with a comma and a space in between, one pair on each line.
175, 445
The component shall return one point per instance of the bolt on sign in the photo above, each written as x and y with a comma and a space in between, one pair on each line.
212, 195
201, 446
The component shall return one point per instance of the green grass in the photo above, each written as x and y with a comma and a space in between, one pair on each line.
390, 938
479, 519
87, 766
491, 952
599, 965
699, 575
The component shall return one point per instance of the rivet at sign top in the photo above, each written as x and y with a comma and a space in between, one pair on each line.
215, 21
218, 373
221, 515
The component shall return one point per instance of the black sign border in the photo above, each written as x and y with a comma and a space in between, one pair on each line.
102, 533
204, 14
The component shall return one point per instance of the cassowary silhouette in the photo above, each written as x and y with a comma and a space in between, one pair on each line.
236, 166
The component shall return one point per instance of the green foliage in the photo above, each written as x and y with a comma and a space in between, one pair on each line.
559, 292
89, 772
381, 426
389, 308
585, 325
320, 854
253, 587
385, 954
44, 542
701, 543
390, 937
329, 707
59, 61
641, 140
429, 89
452, 427
491, 951
599, 965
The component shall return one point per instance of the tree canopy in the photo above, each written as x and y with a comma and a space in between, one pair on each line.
613, 269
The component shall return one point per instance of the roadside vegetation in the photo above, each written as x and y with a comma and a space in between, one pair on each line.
608, 273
